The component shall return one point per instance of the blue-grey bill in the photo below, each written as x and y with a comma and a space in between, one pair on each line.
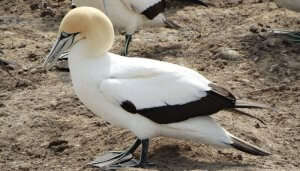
63, 42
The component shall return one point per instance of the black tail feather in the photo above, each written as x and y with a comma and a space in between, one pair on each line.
246, 114
247, 148
250, 105
171, 24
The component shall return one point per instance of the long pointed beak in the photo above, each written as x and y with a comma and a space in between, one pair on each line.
63, 42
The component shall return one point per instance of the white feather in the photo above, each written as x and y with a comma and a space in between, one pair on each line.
125, 14
141, 5
103, 82
148, 83
203, 129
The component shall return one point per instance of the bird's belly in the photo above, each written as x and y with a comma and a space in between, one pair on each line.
114, 114
92, 98
202, 129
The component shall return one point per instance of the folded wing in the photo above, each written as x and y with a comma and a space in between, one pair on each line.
164, 93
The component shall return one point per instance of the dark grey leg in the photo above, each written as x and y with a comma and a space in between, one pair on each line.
142, 163
116, 157
144, 156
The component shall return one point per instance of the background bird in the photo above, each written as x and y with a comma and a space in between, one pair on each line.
128, 16
293, 5
151, 98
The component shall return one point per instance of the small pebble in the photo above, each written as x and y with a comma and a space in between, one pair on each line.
227, 53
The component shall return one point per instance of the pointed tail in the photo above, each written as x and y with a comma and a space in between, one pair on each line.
246, 147
240, 104
171, 24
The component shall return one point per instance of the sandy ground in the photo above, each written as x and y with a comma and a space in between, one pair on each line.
43, 125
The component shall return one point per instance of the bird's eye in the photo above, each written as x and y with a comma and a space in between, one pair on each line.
73, 6
64, 35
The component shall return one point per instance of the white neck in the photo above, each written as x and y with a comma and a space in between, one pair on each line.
86, 64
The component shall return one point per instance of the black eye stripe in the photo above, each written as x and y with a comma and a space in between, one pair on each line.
64, 35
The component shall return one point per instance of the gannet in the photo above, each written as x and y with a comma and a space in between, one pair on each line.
293, 5
148, 97
128, 16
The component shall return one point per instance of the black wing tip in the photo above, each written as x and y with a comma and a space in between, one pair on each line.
154, 10
248, 148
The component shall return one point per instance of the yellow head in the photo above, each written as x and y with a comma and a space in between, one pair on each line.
91, 24
83, 23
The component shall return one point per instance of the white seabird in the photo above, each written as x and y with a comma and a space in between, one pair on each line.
293, 5
128, 16
149, 97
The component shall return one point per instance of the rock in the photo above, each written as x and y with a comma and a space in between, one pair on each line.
22, 83
239, 157
274, 68
229, 54
272, 42
47, 12
34, 6
22, 45
254, 29
1, 105
32, 57
58, 146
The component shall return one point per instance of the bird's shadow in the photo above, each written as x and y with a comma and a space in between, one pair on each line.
275, 56
159, 52
168, 158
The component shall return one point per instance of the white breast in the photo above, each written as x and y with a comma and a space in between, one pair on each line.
87, 73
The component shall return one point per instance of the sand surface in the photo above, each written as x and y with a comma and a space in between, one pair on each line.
44, 126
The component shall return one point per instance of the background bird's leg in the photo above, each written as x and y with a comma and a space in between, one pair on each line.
128, 38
